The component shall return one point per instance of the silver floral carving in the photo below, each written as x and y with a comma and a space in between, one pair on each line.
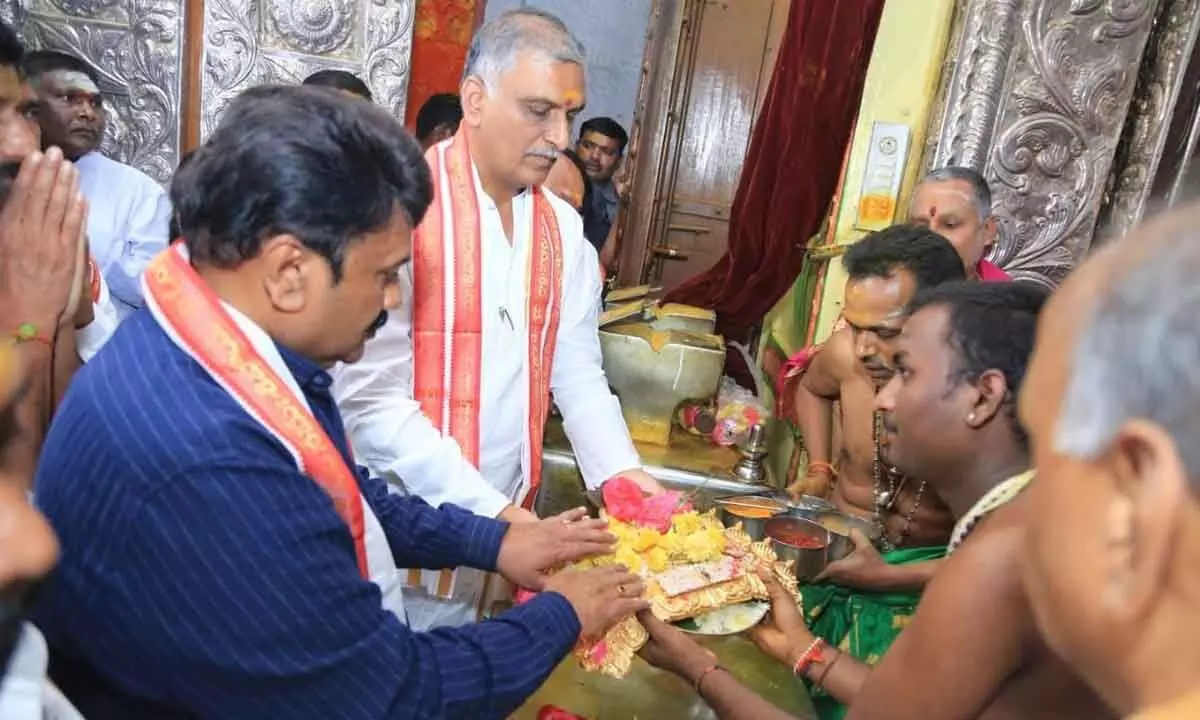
986, 35
372, 39
1146, 129
136, 48
1037, 99
315, 27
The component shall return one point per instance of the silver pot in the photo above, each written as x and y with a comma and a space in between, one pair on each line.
809, 562
809, 507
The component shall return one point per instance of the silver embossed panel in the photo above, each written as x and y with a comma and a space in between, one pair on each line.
136, 48
1037, 100
249, 42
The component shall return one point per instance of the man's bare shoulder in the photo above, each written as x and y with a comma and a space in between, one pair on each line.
835, 363
974, 607
988, 561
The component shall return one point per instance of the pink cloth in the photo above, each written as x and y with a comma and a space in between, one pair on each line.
625, 501
989, 272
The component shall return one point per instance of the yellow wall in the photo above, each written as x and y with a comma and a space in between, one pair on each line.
901, 87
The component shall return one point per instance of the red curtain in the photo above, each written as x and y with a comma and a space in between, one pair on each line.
793, 162
442, 31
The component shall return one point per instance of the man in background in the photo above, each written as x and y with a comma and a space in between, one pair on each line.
568, 180
347, 82
438, 119
601, 144
129, 214
956, 203
1114, 524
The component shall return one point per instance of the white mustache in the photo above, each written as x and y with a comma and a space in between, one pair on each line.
551, 154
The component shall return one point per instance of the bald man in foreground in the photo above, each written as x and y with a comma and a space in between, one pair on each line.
1113, 408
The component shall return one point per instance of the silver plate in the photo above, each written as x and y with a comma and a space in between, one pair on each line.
729, 620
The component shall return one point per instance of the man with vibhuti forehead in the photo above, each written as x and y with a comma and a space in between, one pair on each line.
971, 650
452, 395
956, 203
863, 601
129, 214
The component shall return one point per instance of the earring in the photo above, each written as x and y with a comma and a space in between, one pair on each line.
971, 417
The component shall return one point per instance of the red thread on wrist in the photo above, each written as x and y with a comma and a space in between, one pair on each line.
812, 654
818, 466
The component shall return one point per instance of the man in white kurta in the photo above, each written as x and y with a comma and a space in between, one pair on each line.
129, 214
419, 451
128, 219
90, 337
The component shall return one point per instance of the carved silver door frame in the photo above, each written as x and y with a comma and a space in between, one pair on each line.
251, 42
1035, 96
137, 47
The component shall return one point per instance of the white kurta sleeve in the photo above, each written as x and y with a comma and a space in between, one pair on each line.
591, 413
90, 338
389, 433
148, 225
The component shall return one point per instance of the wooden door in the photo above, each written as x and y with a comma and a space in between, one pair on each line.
679, 219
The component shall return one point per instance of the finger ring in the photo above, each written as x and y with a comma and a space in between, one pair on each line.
620, 589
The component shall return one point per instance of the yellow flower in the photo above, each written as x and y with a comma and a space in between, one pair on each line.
646, 539
657, 560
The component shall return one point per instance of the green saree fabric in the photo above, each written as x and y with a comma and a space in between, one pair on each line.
863, 624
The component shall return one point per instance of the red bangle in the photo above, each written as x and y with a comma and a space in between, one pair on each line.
812, 654
28, 332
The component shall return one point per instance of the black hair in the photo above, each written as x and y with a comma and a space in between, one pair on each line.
339, 80
12, 50
607, 127
928, 256
441, 110
299, 160
40, 62
989, 326
173, 231
586, 201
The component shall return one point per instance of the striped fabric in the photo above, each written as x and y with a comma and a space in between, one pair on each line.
203, 576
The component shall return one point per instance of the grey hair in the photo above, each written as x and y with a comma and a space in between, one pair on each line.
1138, 356
981, 193
496, 45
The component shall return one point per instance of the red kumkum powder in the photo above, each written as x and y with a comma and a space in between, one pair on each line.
798, 539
